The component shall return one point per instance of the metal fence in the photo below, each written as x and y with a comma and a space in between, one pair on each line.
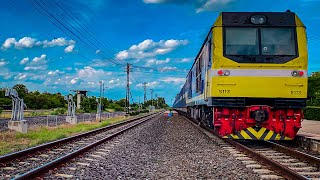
55, 120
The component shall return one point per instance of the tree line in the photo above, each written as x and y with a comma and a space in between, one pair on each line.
314, 89
45, 100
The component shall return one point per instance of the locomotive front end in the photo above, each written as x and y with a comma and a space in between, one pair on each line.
258, 80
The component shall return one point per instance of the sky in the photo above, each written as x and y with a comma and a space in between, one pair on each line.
58, 46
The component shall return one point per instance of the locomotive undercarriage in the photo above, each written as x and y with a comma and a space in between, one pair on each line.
256, 122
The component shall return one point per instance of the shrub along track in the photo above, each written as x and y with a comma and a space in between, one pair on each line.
286, 162
35, 161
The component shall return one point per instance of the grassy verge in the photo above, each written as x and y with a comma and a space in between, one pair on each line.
11, 141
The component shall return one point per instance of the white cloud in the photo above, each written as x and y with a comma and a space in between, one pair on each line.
37, 63
174, 80
8, 43
185, 60
153, 1
57, 42
149, 84
34, 68
167, 68
156, 62
89, 72
24, 60
3, 62
213, 5
200, 5
98, 51
150, 48
20, 76
29, 42
39, 59
26, 42
69, 49
55, 72
74, 80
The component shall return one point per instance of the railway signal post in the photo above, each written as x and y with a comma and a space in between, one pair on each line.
17, 121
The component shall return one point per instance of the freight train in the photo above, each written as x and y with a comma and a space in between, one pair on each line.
249, 79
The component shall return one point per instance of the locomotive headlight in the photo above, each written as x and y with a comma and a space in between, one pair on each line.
294, 73
226, 73
258, 19
297, 73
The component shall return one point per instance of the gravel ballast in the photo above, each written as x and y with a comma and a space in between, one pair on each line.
157, 150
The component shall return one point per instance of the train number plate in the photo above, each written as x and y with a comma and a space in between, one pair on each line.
224, 91
295, 92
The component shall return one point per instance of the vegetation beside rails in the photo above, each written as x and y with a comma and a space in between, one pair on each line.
312, 113
11, 141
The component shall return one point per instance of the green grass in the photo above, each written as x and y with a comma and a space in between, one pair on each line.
13, 141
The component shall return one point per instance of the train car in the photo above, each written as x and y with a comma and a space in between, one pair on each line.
249, 79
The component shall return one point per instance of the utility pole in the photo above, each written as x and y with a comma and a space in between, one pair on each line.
151, 92
100, 100
128, 88
145, 91
102, 95
139, 104
157, 100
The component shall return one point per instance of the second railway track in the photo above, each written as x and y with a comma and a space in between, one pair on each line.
35, 161
282, 161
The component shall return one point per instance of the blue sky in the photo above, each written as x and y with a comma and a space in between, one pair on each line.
163, 35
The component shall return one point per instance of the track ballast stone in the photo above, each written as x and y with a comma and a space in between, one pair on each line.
158, 150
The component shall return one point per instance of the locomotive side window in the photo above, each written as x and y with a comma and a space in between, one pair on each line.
198, 73
277, 41
242, 41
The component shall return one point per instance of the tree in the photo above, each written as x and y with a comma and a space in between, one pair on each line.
314, 89
21, 89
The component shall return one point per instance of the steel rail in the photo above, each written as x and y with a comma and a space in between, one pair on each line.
19, 154
46, 167
300, 155
275, 166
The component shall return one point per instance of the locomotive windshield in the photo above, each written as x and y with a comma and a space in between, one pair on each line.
260, 45
242, 41
277, 41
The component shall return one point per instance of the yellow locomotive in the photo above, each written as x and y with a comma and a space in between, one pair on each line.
249, 79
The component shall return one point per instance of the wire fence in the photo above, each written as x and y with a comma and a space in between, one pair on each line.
55, 120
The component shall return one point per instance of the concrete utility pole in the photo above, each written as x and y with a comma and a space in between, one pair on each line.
145, 91
151, 92
102, 94
100, 100
128, 88
139, 104
157, 100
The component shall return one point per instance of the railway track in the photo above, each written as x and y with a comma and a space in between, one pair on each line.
283, 162
35, 161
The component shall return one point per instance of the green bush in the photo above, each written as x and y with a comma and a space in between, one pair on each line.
134, 113
58, 111
312, 113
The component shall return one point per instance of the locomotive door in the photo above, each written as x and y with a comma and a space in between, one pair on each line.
206, 64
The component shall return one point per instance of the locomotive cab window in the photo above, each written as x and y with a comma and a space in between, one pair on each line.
242, 41
277, 41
